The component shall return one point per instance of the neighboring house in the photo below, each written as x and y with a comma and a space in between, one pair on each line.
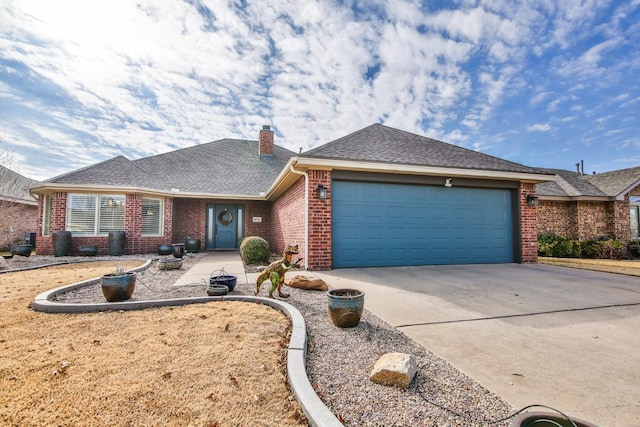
18, 208
377, 197
585, 207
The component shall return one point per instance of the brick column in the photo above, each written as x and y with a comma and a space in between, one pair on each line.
528, 225
319, 221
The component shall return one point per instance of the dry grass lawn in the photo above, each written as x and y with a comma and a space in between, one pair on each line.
216, 364
628, 267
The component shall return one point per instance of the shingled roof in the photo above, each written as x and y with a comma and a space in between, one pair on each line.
15, 187
234, 168
573, 184
379, 143
223, 167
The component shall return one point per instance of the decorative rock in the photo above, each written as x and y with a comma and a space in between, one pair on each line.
3, 264
394, 369
308, 283
169, 264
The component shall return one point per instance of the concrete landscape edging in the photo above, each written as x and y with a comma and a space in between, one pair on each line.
317, 413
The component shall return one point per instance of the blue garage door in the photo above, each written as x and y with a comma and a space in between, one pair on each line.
377, 225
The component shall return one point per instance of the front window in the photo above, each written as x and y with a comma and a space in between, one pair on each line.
635, 217
152, 217
46, 223
95, 214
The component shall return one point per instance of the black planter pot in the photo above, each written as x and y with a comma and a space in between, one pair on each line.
23, 250
118, 287
61, 243
164, 249
178, 250
87, 250
192, 245
116, 243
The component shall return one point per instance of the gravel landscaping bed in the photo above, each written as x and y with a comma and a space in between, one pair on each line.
339, 359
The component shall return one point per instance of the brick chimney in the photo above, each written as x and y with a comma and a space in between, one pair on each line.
266, 142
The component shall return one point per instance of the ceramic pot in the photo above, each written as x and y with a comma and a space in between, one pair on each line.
345, 307
547, 419
177, 250
225, 280
87, 250
164, 249
61, 243
23, 250
116, 242
192, 245
117, 288
214, 290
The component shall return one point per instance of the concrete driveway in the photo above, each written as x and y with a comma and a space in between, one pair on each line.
532, 334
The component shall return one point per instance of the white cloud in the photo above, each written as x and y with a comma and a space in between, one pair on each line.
539, 97
539, 127
154, 75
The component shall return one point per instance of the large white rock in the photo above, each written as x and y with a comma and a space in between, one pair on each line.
309, 283
394, 369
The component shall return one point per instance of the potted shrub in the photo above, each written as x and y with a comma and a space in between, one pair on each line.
118, 285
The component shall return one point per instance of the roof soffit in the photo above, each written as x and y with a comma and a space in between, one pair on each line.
308, 163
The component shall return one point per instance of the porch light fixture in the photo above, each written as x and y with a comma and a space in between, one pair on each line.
322, 192
448, 182
532, 201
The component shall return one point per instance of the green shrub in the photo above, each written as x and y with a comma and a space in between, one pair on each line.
610, 249
552, 245
590, 248
254, 250
634, 248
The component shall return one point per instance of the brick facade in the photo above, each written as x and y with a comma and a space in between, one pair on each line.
16, 219
282, 222
135, 243
586, 220
262, 227
288, 219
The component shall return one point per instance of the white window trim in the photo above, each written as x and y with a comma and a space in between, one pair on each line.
160, 232
47, 209
97, 198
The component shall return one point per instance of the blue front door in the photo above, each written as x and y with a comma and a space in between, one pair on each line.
377, 225
222, 227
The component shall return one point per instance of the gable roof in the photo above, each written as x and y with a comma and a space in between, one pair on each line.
227, 167
379, 143
616, 183
233, 168
15, 187
608, 185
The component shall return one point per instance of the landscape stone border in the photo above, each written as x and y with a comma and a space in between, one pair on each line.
317, 413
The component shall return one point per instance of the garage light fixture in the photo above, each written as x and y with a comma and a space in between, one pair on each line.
322, 192
448, 182
532, 201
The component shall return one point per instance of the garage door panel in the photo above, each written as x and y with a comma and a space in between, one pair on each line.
378, 224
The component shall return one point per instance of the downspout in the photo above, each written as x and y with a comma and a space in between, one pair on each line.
306, 215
